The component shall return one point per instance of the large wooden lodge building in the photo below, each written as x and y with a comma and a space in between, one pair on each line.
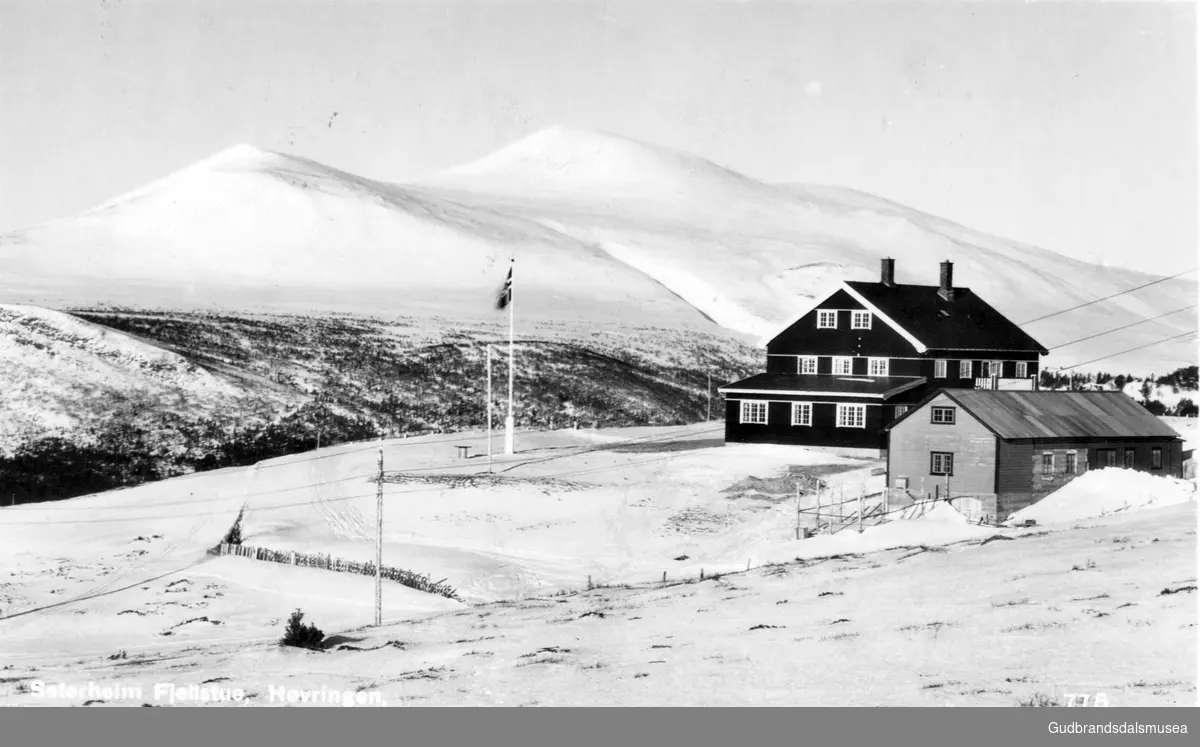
866, 352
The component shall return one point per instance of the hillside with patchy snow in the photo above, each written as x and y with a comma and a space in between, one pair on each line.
604, 229
62, 375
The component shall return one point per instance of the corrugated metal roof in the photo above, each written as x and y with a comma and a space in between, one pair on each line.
880, 386
1042, 414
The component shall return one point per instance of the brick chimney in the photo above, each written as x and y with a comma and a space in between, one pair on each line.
946, 291
887, 274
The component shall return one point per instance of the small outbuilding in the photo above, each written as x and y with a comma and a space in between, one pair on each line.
1000, 451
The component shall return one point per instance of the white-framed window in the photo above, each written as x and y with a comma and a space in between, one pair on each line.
1022, 369
754, 411
942, 415
939, 369
827, 319
995, 368
801, 413
808, 364
851, 416
860, 320
901, 409
843, 365
964, 369
941, 463
1047, 461
877, 366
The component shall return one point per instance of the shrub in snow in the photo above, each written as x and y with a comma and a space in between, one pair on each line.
234, 535
300, 635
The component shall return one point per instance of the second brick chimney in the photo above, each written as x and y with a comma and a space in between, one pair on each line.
946, 289
887, 274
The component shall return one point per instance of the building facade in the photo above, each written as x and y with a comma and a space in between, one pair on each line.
1006, 450
866, 352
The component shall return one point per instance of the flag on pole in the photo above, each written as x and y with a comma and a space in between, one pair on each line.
505, 297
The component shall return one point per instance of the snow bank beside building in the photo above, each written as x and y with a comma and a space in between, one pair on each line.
1107, 491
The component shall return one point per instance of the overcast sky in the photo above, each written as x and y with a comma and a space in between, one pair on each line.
1070, 126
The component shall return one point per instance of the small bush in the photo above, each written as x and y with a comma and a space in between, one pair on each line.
301, 635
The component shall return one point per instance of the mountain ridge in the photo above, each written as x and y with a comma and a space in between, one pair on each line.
600, 224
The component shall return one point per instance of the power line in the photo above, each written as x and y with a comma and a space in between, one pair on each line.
1114, 295
1118, 329
1130, 350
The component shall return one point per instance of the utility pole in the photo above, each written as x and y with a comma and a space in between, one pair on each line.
489, 406
379, 544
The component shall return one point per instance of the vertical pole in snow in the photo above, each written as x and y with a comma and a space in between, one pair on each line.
489, 406
379, 544
708, 417
797, 510
861, 495
509, 422
818, 509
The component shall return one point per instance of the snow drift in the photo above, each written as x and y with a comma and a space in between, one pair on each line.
1108, 491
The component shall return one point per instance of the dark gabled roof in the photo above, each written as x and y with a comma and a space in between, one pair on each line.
1049, 414
880, 387
966, 323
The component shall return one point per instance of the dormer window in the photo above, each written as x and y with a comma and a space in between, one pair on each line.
827, 320
860, 320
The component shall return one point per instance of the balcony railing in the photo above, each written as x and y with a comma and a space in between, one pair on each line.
1007, 385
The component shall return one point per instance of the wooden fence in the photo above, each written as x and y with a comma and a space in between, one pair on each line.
340, 565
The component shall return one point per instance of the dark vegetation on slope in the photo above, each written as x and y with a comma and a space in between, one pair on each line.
1181, 379
337, 379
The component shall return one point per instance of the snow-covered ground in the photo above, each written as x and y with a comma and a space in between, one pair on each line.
604, 229
117, 587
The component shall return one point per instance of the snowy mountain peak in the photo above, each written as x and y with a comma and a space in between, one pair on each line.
238, 158
586, 161
239, 153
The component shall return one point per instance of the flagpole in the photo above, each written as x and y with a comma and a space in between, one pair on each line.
489, 406
509, 422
